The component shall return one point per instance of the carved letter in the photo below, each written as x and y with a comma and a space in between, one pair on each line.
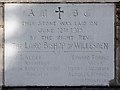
31, 13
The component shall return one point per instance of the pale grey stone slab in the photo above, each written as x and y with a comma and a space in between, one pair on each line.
59, 44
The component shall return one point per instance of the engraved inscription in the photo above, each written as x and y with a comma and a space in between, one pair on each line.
59, 44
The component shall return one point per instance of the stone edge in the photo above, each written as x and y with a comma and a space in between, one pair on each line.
37, 1
1, 44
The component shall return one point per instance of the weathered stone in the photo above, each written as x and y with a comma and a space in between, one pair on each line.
20, 89
118, 33
1, 16
1, 57
118, 65
59, 1
90, 69
1, 44
117, 43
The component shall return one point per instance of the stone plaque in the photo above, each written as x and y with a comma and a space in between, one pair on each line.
59, 44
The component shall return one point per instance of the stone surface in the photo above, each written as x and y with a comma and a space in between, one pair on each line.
1, 16
85, 88
118, 44
59, 44
1, 57
1, 45
59, 0
118, 65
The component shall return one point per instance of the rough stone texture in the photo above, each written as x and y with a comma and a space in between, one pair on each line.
59, 0
118, 44
118, 68
1, 14
75, 88
1, 43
